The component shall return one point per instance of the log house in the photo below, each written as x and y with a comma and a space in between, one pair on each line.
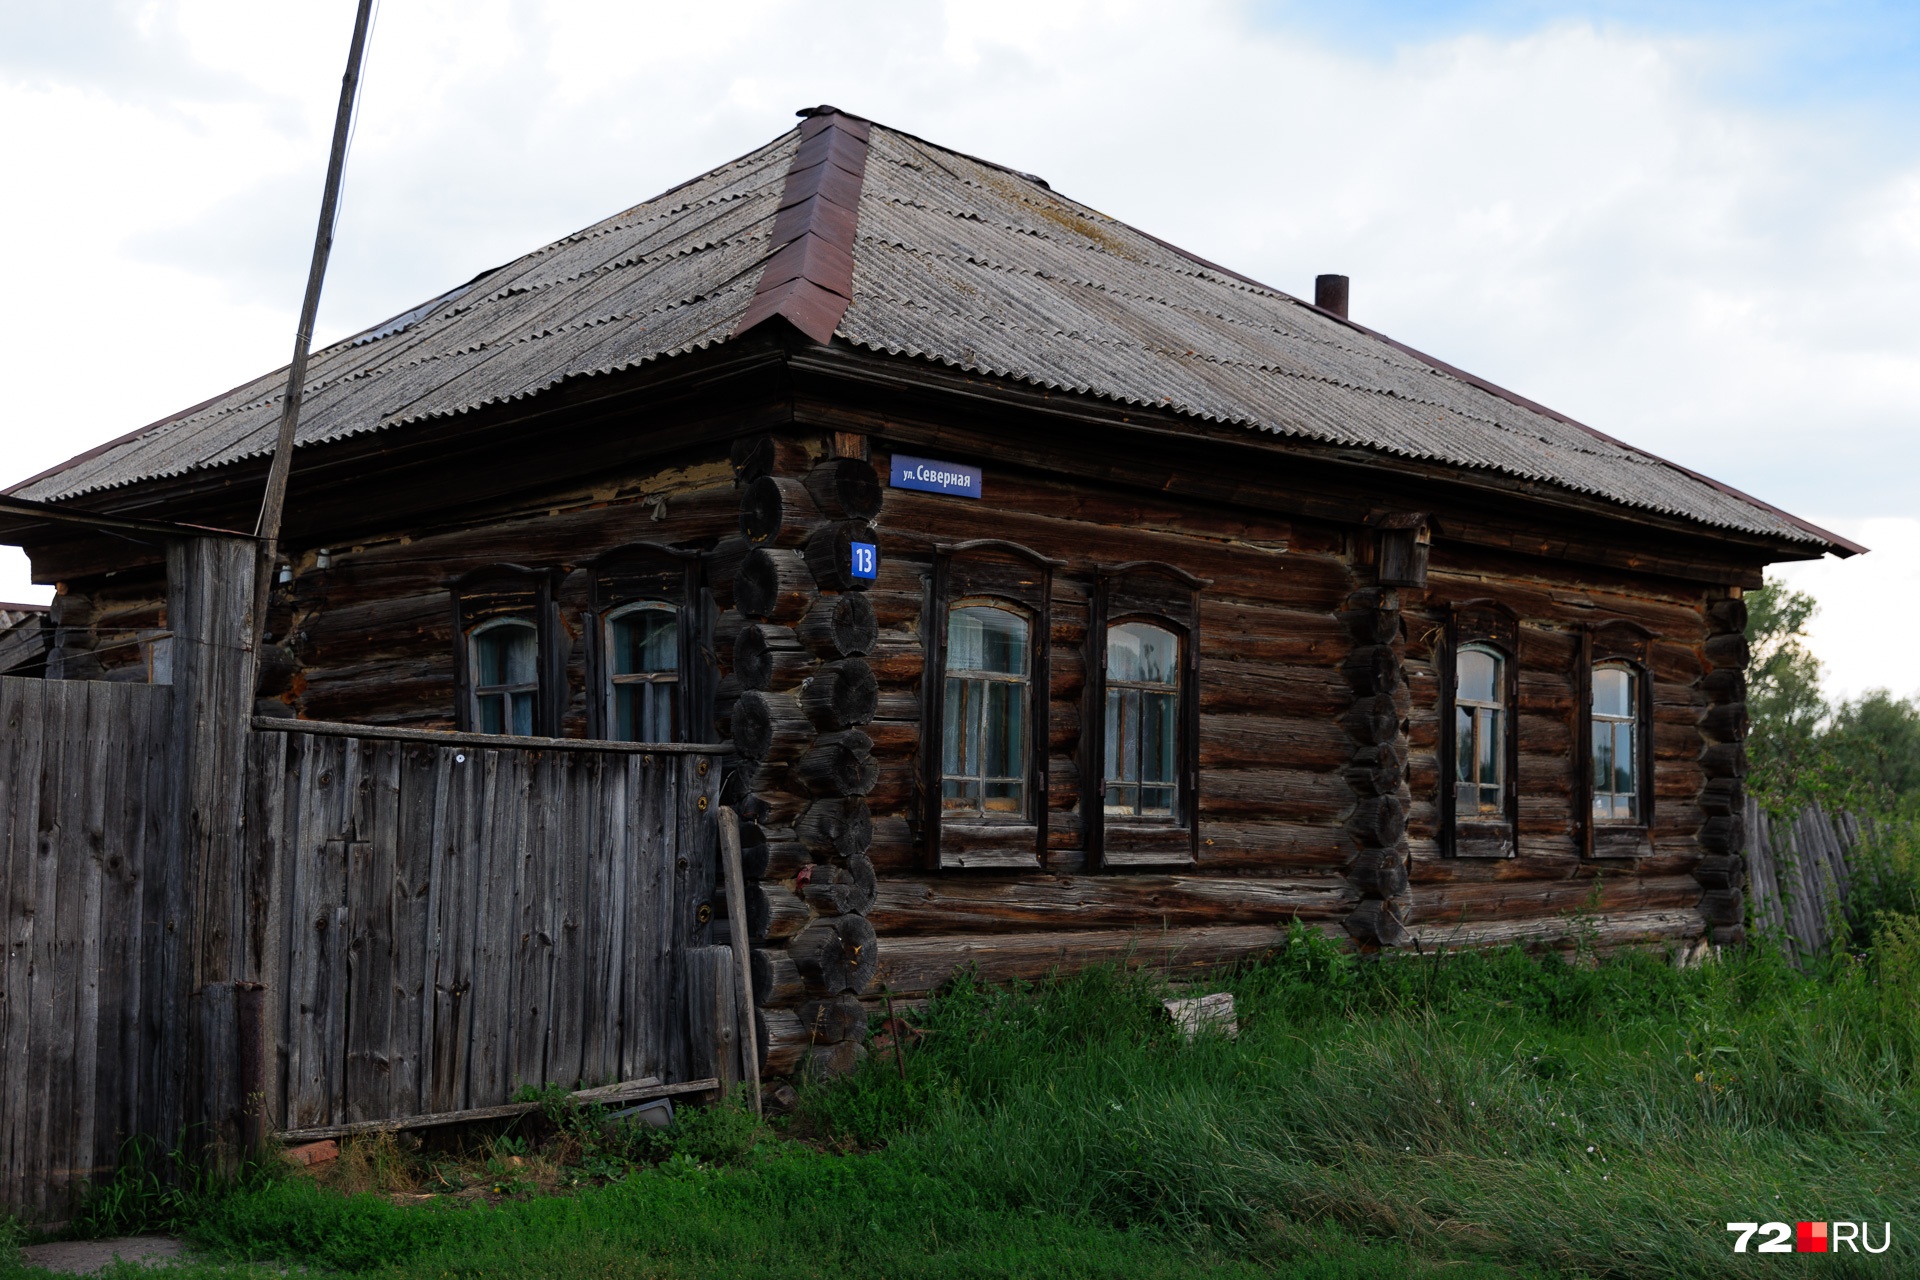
1064, 597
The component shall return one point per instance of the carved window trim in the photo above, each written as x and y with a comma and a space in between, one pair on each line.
1618, 642
1492, 625
1168, 597
640, 573
497, 593
985, 570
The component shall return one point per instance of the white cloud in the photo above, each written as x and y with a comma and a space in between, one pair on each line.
1578, 212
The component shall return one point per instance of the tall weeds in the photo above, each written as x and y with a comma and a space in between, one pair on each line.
1606, 1118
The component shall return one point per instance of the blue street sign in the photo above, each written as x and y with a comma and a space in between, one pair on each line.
929, 476
866, 561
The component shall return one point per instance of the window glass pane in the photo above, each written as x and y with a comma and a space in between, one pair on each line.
1005, 729
1115, 733
1140, 652
1478, 676
1612, 691
1489, 734
1120, 800
954, 753
493, 714
1157, 737
1004, 797
1602, 756
983, 638
1463, 748
1124, 765
504, 653
645, 640
1623, 758
1156, 802
522, 712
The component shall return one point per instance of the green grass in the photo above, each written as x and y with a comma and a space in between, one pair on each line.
1469, 1116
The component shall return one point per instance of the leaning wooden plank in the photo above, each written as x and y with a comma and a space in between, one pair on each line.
632, 1091
498, 741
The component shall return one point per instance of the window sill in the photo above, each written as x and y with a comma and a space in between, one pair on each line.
1145, 844
1482, 840
1003, 845
1621, 840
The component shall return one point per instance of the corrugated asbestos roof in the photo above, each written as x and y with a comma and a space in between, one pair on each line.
955, 260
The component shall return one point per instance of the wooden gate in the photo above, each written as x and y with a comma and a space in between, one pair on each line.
85, 814
442, 922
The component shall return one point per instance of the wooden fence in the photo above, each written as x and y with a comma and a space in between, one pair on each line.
447, 922
1801, 873
84, 832
211, 920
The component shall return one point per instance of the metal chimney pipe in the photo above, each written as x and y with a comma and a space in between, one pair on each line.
1330, 294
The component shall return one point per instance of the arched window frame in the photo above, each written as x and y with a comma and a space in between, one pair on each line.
1022, 680
510, 592
480, 694
985, 571
1617, 643
1492, 626
1164, 596
643, 573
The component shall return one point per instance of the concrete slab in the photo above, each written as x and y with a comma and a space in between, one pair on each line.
84, 1257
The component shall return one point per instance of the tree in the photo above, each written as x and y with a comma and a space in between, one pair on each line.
1875, 744
1784, 701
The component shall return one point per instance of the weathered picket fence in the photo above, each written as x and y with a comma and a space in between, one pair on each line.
214, 925
1801, 873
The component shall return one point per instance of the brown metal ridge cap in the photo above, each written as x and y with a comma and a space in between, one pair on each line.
5, 607
28, 509
808, 278
1841, 546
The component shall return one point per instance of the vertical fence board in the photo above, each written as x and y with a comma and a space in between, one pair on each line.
22, 704
371, 900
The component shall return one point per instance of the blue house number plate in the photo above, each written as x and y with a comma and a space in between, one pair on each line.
866, 561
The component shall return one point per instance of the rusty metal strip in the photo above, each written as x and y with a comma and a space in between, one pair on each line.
808, 279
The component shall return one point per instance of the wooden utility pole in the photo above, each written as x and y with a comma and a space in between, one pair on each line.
275, 501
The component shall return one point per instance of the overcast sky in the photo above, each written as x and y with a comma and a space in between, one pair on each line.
1694, 226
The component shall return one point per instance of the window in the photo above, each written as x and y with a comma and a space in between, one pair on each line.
1479, 748
983, 769
506, 675
643, 670
1480, 733
1141, 717
1616, 750
1613, 782
509, 667
982, 793
650, 660
1143, 722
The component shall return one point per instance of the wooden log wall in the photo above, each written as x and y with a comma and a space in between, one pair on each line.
85, 832
1319, 729
1722, 871
447, 923
1547, 893
1274, 798
799, 697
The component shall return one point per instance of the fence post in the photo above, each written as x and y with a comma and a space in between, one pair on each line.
209, 612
